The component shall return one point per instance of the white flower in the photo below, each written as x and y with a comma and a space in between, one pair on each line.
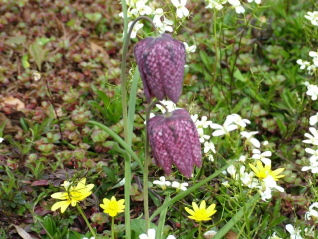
313, 119
313, 17
313, 167
194, 118
313, 54
164, 25
136, 28
203, 122
87, 238
236, 119
36, 76
225, 129
217, 4
162, 182
312, 69
248, 178
211, 157
266, 194
303, 64
209, 234
232, 171
265, 143
262, 156
202, 136
312, 212
270, 182
312, 90
179, 186
249, 138
181, 9
226, 184
312, 139
171, 237
274, 236
209, 146
1, 140
256, 1
169, 105
142, 8
294, 233
189, 48
150, 235
242, 158
237, 5
314, 154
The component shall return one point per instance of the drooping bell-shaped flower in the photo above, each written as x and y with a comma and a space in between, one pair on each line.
161, 62
174, 139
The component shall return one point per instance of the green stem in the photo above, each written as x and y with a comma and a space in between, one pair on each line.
85, 219
200, 229
113, 229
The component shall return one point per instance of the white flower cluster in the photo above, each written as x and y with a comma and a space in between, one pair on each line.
138, 8
311, 67
313, 17
151, 234
164, 184
236, 4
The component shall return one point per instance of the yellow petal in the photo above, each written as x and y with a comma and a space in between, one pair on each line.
61, 196
278, 171
259, 165
203, 205
195, 206
254, 169
62, 204
210, 210
191, 212
113, 199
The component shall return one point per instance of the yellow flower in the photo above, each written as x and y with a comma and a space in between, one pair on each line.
72, 195
201, 214
113, 207
262, 172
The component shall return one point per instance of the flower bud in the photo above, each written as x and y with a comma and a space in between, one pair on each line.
174, 139
161, 62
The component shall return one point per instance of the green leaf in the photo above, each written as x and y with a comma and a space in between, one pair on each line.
110, 174
49, 225
38, 53
25, 61
15, 40
93, 17
139, 225
238, 75
281, 126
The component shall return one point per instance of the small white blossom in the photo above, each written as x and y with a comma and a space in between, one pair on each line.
209, 146
313, 167
179, 186
150, 235
242, 158
171, 237
303, 64
1, 140
237, 5
217, 4
164, 25
204, 123
136, 28
189, 48
162, 182
312, 139
223, 129
294, 233
274, 236
169, 105
312, 212
262, 156
313, 17
232, 171
314, 154
265, 142
237, 119
210, 157
226, 184
256, 1
312, 90
202, 136
182, 11
150, 116
249, 138
313, 119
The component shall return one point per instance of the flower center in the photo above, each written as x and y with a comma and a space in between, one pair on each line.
113, 206
200, 214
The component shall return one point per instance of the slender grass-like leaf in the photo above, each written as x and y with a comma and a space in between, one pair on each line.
118, 139
132, 104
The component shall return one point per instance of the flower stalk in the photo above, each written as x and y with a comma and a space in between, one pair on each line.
85, 219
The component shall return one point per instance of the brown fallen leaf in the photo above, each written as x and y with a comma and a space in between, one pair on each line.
22, 232
9, 100
9, 127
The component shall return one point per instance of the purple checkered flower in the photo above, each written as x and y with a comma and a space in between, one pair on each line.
161, 62
174, 139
